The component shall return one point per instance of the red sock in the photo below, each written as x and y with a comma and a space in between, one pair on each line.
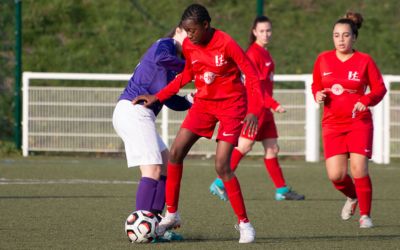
235, 159
346, 186
232, 188
364, 194
173, 186
275, 172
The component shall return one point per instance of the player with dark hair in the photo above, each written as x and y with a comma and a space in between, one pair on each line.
213, 60
340, 79
135, 124
260, 35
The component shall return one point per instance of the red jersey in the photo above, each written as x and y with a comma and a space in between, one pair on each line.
265, 66
345, 84
215, 70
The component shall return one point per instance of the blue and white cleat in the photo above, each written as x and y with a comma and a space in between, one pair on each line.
286, 193
217, 188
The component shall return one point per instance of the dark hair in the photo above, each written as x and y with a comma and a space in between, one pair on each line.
198, 13
257, 20
353, 19
172, 32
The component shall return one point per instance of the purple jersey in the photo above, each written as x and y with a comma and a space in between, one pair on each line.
158, 66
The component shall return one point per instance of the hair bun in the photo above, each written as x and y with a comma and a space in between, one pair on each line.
355, 17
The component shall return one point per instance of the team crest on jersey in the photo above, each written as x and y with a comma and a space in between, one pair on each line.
220, 60
354, 76
208, 77
337, 89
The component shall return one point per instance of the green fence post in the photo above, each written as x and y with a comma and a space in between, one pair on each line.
18, 73
260, 7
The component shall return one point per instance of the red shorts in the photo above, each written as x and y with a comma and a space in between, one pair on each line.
266, 127
204, 115
354, 138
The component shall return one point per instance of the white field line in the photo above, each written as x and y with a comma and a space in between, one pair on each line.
4, 181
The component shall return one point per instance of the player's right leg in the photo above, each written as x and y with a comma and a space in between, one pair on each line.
179, 149
336, 167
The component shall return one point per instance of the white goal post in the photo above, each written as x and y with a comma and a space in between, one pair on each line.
78, 119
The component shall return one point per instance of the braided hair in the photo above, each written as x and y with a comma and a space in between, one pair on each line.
197, 13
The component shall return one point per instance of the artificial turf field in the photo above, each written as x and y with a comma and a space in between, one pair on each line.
81, 203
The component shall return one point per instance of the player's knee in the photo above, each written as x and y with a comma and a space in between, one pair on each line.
272, 150
336, 177
222, 169
245, 148
175, 155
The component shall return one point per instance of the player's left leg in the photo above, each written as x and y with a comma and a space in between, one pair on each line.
232, 186
362, 182
283, 192
244, 146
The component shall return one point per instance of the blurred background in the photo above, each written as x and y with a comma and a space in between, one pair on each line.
101, 36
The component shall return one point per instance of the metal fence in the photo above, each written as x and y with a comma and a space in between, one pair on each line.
78, 119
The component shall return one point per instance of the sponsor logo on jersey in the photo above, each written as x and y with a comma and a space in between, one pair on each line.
220, 60
326, 73
208, 77
354, 76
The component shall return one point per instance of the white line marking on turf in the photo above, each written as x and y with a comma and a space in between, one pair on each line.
4, 181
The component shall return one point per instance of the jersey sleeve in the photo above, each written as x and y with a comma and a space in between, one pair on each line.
376, 85
317, 83
178, 103
253, 87
269, 101
180, 80
165, 56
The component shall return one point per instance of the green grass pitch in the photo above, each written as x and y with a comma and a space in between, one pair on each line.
82, 203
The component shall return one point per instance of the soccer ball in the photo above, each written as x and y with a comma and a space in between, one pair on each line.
140, 226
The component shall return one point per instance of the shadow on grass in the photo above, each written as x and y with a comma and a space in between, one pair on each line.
335, 238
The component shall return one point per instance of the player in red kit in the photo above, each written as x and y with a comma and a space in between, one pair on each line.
260, 35
213, 60
340, 79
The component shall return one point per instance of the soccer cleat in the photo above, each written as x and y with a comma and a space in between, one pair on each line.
247, 232
217, 188
349, 208
172, 236
169, 221
366, 222
287, 193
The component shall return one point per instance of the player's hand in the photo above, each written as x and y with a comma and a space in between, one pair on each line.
320, 96
279, 109
250, 125
358, 107
147, 100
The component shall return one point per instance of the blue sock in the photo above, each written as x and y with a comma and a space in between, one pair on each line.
282, 190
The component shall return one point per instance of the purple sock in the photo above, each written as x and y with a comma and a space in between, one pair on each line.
145, 193
159, 198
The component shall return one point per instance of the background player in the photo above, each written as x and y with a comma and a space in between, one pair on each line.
340, 78
260, 35
213, 59
135, 124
